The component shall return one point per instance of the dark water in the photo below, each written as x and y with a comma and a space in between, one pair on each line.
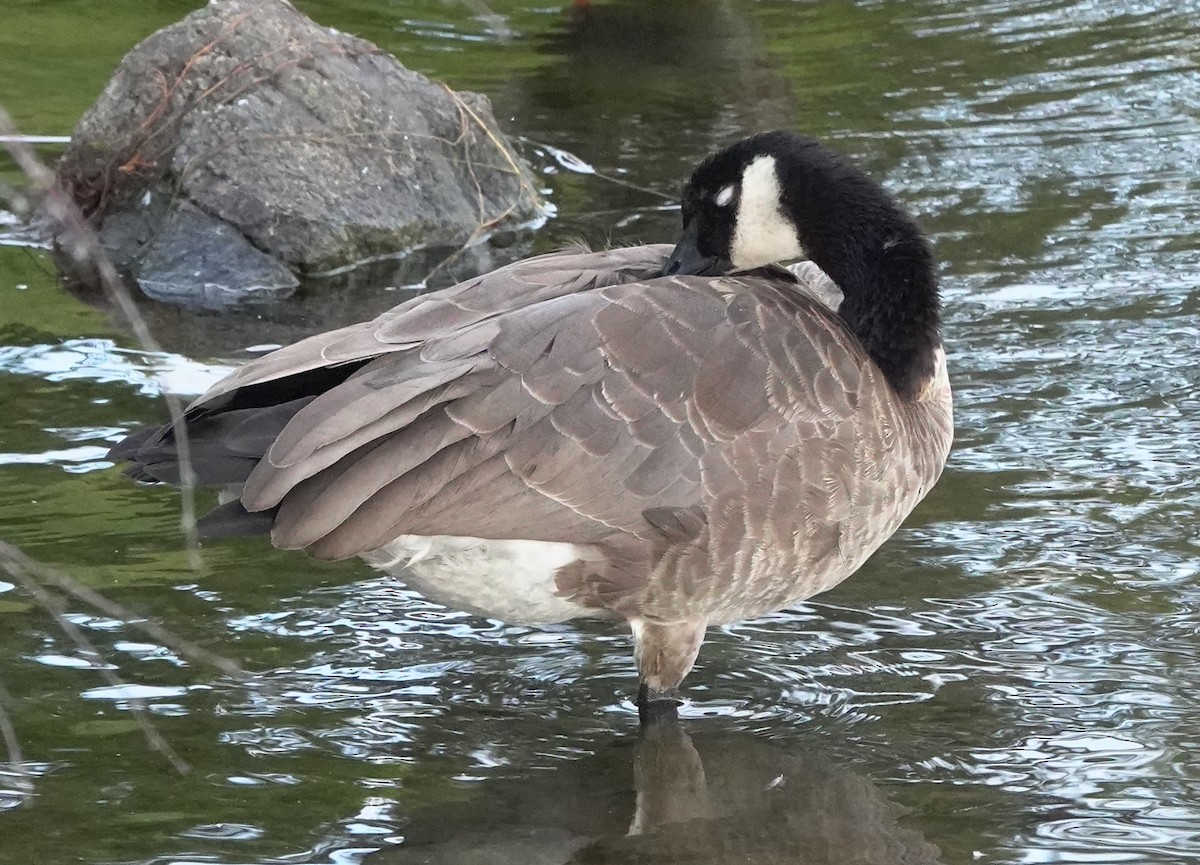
1012, 679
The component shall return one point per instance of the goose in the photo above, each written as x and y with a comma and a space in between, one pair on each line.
673, 438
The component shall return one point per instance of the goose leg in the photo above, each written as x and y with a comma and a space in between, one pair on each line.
665, 653
655, 708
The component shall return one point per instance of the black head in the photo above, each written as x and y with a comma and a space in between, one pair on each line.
734, 213
777, 196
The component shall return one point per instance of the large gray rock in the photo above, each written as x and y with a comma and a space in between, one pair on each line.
247, 133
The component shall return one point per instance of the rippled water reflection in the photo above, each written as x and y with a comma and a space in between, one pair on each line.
1012, 679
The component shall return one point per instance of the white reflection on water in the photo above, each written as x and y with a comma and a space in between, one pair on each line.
101, 360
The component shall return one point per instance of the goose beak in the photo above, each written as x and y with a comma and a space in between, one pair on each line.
687, 260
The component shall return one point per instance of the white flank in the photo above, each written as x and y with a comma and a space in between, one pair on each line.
762, 233
512, 581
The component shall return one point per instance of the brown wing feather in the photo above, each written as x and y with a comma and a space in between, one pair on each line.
548, 446
560, 399
512, 287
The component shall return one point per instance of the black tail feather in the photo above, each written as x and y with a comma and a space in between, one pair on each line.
227, 437
127, 448
213, 470
224, 446
231, 520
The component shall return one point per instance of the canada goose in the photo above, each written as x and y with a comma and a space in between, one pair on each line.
674, 438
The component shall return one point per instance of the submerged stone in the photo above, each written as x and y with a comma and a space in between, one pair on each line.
201, 261
310, 147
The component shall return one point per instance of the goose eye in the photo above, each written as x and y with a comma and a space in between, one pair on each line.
724, 196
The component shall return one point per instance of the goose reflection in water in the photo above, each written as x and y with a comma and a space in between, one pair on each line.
722, 799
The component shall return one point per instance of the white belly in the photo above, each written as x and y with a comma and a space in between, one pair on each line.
512, 581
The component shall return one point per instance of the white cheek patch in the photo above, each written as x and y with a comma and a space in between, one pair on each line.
762, 233
725, 196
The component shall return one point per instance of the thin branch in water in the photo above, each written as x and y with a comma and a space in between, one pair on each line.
79, 241
14, 567
16, 199
12, 559
16, 759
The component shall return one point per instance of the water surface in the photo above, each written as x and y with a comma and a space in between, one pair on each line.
1012, 679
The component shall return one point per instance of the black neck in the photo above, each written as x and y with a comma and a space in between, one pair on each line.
883, 263
891, 304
